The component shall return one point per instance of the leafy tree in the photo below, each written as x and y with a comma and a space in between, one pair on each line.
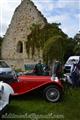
70, 44
55, 48
33, 42
38, 36
51, 39
77, 49
49, 31
77, 37
77, 44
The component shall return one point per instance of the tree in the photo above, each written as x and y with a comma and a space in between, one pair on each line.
39, 36
51, 40
77, 44
77, 49
70, 44
50, 30
33, 42
55, 48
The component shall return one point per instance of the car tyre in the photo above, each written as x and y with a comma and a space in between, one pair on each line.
52, 93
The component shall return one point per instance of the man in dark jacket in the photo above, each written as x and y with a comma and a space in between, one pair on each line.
75, 75
38, 70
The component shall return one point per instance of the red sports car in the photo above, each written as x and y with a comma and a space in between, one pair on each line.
51, 87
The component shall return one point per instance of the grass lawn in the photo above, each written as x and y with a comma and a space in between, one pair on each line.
34, 106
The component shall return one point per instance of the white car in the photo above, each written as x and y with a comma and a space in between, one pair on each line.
5, 68
70, 62
5, 92
6, 71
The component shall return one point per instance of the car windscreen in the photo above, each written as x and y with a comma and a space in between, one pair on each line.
3, 65
72, 61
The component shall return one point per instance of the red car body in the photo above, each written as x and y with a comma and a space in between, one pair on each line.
28, 83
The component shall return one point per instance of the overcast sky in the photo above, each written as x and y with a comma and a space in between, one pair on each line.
66, 12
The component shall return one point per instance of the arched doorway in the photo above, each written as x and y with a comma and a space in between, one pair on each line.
20, 47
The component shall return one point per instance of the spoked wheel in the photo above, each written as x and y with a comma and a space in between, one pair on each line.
52, 93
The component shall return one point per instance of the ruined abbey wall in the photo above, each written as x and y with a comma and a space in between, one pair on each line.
25, 15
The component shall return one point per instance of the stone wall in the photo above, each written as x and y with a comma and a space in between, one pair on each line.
25, 15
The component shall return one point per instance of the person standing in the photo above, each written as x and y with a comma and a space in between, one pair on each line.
75, 75
38, 69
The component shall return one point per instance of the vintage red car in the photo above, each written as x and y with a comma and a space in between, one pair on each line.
51, 87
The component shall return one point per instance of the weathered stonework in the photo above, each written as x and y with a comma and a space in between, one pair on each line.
24, 16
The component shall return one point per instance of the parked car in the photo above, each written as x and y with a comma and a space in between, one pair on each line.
5, 92
51, 87
69, 64
6, 71
4, 67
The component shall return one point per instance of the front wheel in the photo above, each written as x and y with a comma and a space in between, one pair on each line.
52, 93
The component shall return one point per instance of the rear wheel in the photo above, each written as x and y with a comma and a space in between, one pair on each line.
52, 93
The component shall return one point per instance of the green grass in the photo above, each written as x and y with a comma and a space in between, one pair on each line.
34, 104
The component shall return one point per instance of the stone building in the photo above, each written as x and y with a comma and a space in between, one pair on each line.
14, 43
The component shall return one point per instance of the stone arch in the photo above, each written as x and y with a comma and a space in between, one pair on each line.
20, 47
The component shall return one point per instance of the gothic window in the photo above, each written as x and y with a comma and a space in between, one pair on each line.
19, 47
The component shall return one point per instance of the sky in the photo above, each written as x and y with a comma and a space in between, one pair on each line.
66, 12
